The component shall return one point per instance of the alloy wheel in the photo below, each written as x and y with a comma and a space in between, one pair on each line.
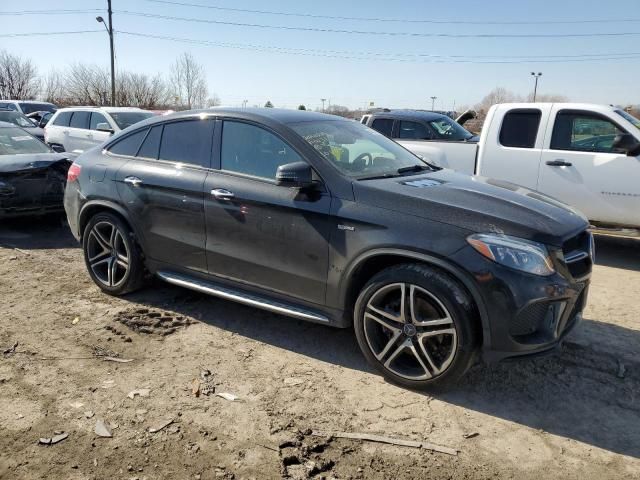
409, 331
107, 254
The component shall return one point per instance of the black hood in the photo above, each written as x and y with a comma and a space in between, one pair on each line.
17, 163
477, 204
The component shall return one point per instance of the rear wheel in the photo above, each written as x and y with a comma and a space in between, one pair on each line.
111, 254
417, 326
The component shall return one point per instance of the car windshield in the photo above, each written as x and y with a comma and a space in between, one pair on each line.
630, 118
448, 129
15, 118
28, 108
15, 141
356, 150
126, 119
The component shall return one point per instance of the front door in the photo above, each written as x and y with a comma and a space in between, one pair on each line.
259, 233
77, 140
162, 187
580, 167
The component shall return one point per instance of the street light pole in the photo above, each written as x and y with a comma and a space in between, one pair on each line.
110, 32
535, 86
433, 103
323, 100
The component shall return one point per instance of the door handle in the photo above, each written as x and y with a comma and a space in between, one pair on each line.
135, 181
222, 194
559, 163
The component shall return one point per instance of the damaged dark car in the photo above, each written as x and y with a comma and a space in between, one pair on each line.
32, 176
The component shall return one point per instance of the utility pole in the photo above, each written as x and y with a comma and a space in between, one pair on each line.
323, 100
535, 86
110, 32
433, 103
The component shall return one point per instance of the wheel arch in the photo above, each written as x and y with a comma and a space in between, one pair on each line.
369, 263
94, 207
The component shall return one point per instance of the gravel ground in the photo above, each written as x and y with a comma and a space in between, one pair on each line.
574, 415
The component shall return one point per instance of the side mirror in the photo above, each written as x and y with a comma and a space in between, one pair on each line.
627, 144
295, 175
104, 127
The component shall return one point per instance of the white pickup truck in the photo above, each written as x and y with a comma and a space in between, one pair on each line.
585, 155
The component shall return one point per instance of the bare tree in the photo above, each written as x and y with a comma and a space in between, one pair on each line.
213, 101
53, 88
141, 90
18, 77
188, 82
548, 97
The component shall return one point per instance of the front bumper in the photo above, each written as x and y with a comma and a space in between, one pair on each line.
526, 314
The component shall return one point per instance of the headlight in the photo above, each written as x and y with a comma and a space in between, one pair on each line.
512, 252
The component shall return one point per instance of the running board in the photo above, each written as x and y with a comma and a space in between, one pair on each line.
241, 297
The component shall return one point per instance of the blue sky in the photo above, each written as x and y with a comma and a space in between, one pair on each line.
288, 80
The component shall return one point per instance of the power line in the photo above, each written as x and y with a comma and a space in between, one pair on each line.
39, 34
402, 57
374, 32
394, 20
51, 12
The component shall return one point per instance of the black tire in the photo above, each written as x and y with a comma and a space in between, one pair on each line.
435, 297
118, 279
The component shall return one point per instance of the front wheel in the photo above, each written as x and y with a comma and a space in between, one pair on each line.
416, 326
112, 256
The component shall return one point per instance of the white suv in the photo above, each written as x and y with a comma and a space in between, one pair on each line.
76, 129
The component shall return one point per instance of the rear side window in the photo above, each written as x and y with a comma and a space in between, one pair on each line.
130, 144
188, 142
62, 120
151, 145
520, 128
413, 131
383, 125
80, 120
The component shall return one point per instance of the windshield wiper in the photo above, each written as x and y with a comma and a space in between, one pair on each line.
376, 177
413, 168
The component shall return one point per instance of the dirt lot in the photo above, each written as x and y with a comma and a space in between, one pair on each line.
574, 415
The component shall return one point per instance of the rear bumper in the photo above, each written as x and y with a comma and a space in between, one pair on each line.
527, 315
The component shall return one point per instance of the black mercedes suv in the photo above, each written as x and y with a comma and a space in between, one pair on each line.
324, 219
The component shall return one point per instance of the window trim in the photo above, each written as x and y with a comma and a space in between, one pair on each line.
521, 110
586, 113
107, 148
246, 175
149, 128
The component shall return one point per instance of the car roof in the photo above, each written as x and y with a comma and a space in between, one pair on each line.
25, 101
410, 114
280, 115
101, 109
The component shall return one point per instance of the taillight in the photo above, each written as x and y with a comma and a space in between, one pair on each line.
74, 172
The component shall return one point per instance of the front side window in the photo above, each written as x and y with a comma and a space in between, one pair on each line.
129, 145
413, 131
253, 150
63, 119
188, 141
80, 119
15, 141
126, 119
584, 132
383, 125
96, 118
15, 118
520, 128
358, 151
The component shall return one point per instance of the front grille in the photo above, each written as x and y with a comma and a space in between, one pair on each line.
577, 253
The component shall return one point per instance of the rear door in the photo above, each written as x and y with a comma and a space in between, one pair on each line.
259, 233
513, 146
162, 187
77, 139
581, 167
